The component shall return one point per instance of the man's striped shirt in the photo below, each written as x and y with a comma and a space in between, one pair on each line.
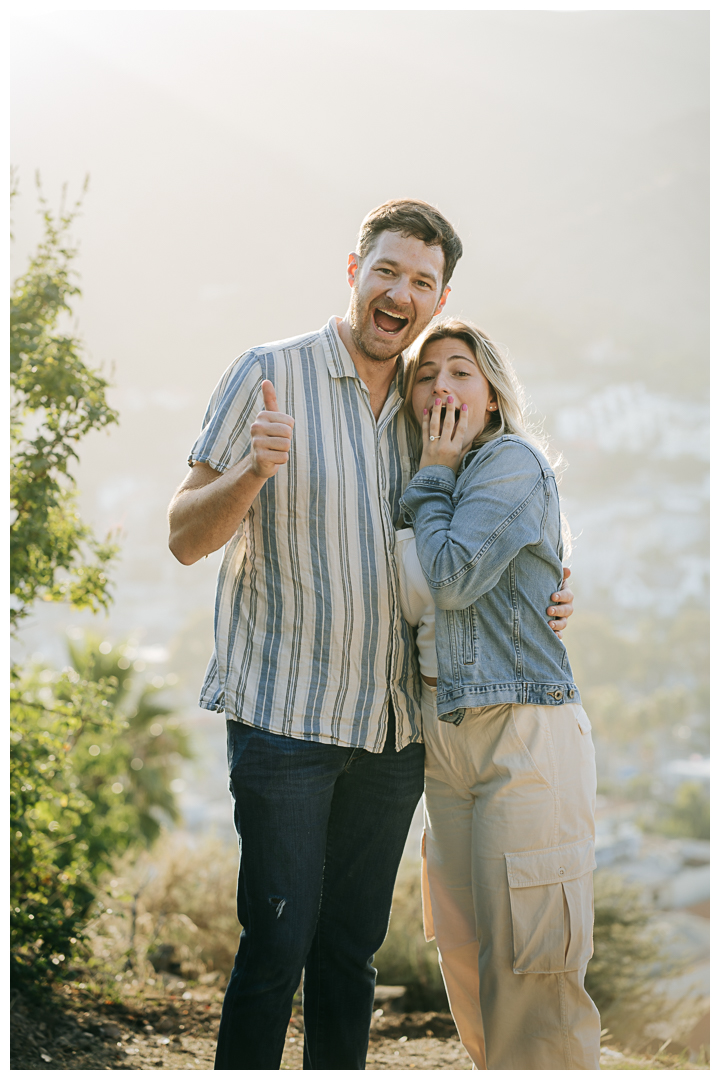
309, 635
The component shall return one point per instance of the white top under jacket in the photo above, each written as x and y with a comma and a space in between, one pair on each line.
416, 601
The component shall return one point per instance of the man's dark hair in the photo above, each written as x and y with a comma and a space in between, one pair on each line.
412, 217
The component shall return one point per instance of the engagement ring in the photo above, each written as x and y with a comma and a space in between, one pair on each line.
434, 437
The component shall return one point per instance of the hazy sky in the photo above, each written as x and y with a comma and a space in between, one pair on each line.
232, 156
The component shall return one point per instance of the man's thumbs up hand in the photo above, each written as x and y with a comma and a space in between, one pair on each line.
269, 396
271, 435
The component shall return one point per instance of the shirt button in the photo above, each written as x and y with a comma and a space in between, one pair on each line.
561, 871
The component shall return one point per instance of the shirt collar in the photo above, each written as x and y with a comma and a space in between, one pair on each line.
340, 363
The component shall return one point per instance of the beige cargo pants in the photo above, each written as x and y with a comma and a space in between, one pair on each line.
507, 880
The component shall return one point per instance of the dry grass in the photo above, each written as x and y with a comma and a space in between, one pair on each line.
170, 915
171, 909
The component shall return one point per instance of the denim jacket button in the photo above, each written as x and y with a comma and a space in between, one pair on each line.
571, 693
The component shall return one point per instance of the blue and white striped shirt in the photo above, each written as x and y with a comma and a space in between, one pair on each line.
309, 634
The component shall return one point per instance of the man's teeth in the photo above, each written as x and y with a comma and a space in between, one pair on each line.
393, 314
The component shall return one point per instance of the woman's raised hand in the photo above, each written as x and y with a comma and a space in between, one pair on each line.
444, 437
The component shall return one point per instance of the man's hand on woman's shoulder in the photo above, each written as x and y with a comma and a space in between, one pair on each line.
562, 605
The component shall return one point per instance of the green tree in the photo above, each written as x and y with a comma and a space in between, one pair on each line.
143, 756
91, 763
56, 399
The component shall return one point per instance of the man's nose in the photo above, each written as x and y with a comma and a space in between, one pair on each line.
400, 292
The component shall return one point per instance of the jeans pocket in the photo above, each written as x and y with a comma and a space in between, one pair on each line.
238, 737
551, 902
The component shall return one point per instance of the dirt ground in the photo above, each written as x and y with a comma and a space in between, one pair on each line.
176, 1027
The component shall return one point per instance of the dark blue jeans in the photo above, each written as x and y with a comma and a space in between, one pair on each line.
321, 830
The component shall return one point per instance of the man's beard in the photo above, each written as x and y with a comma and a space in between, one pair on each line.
370, 347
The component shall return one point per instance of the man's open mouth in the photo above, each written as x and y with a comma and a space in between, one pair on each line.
387, 322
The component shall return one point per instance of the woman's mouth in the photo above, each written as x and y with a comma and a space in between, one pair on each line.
389, 323
443, 413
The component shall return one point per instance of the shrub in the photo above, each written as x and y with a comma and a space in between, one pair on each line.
621, 974
688, 814
81, 795
52, 873
173, 909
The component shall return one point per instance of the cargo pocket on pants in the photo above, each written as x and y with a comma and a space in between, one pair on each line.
551, 900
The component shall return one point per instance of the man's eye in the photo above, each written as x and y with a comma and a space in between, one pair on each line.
425, 284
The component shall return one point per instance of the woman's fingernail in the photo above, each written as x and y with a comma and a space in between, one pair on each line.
450, 400
464, 408
424, 412
438, 401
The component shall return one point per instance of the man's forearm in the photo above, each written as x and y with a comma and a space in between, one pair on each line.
204, 517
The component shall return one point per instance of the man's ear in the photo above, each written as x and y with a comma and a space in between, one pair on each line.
442, 301
353, 267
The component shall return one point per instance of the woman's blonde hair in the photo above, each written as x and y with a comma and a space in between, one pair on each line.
511, 415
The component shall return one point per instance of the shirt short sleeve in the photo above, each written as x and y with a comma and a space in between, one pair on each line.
236, 400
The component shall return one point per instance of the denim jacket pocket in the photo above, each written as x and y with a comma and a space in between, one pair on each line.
551, 901
468, 634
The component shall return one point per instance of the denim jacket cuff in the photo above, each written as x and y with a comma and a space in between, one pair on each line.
439, 478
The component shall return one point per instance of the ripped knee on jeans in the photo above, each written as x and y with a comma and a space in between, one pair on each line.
278, 903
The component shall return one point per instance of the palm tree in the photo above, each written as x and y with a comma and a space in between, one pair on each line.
133, 772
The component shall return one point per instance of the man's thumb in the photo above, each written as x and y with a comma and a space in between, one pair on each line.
269, 396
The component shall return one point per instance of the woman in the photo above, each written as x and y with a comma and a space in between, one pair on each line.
510, 766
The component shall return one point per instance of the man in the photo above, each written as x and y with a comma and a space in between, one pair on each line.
313, 663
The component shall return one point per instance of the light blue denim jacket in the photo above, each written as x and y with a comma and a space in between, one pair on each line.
490, 545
